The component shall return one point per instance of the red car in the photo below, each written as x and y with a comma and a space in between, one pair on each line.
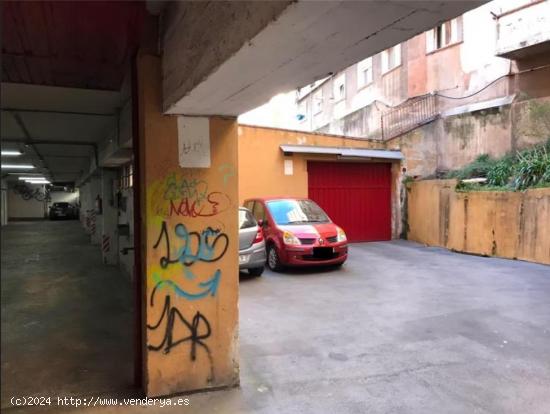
298, 233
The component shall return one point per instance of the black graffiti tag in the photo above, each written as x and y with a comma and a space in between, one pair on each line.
211, 245
198, 329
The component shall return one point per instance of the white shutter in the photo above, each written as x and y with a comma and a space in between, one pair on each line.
430, 44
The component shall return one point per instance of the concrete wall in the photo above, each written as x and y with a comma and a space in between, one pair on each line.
191, 33
64, 197
452, 142
19, 208
190, 253
505, 224
524, 28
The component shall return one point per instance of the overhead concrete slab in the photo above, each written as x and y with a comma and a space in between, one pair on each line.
225, 58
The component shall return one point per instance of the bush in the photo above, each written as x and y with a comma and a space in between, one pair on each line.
532, 167
526, 169
500, 172
479, 168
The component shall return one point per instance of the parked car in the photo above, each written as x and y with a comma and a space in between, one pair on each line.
252, 254
62, 211
298, 233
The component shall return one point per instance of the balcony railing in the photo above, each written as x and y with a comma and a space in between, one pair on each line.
408, 116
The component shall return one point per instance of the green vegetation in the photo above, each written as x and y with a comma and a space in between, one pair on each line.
529, 168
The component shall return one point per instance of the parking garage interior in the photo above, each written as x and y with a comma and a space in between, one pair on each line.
68, 284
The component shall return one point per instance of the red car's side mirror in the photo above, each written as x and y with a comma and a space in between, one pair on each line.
261, 223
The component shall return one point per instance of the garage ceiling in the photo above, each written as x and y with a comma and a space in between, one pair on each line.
61, 126
80, 44
63, 65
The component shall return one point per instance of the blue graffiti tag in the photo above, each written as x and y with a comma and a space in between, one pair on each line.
210, 286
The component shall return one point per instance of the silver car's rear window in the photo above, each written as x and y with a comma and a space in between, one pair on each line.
246, 219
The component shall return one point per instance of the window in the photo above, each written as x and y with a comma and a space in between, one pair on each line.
318, 101
364, 72
391, 58
340, 87
246, 219
444, 35
288, 212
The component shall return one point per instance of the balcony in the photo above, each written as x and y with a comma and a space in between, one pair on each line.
524, 31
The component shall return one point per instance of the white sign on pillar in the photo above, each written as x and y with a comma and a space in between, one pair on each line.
194, 142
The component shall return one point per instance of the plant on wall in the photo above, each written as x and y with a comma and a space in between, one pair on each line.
478, 168
524, 169
533, 168
500, 172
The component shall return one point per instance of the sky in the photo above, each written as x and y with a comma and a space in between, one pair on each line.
280, 112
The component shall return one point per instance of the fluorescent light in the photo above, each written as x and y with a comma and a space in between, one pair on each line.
39, 175
11, 153
39, 178
37, 181
18, 166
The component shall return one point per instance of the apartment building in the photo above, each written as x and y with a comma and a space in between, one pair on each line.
490, 56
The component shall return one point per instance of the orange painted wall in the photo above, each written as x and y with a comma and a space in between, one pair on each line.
261, 161
190, 254
491, 223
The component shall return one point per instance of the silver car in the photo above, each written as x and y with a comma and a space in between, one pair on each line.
252, 254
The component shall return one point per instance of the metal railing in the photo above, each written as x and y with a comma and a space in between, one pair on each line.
408, 116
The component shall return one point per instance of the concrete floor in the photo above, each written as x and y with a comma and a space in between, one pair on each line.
401, 328
66, 317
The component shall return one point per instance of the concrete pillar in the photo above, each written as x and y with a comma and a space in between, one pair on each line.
189, 250
4, 204
109, 218
85, 205
94, 214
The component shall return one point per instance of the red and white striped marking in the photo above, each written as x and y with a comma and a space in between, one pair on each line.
106, 243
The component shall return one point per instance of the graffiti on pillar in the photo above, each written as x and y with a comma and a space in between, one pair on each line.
188, 197
195, 332
187, 243
227, 171
210, 245
206, 288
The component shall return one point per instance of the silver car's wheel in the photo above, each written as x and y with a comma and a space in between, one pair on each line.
273, 261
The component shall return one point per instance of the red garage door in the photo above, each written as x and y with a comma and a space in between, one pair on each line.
356, 196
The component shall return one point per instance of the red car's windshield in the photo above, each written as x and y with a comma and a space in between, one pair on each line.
296, 212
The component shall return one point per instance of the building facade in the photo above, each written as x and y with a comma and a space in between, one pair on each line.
492, 55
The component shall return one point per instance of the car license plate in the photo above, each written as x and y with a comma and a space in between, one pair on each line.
244, 258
